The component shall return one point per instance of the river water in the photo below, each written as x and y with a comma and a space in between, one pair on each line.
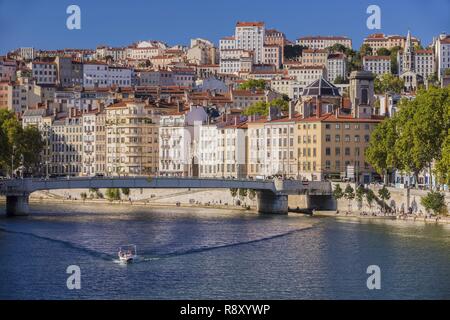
193, 253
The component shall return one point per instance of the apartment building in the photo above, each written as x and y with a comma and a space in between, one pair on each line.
94, 143
280, 148
305, 75
179, 135
66, 142
234, 61
272, 55
119, 76
336, 66
154, 78
132, 142
377, 64
7, 70
287, 86
44, 72
277, 38
333, 146
70, 72
257, 154
314, 57
442, 54
95, 74
322, 42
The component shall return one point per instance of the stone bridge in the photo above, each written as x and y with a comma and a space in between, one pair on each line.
272, 195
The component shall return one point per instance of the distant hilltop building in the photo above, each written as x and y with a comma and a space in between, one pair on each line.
322, 42
380, 40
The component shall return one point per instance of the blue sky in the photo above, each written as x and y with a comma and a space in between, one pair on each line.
42, 23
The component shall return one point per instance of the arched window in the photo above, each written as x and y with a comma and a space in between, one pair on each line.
364, 96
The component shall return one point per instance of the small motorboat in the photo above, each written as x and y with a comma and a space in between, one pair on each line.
128, 253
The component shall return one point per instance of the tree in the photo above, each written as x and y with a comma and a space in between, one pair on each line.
234, 192
423, 125
338, 47
384, 195
349, 194
337, 192
365, 50
125, 191
262, 108
17, 141
251, 194
380, 152
340, 80
394, 63
388, 83
113, 194
359, 195
253, 84
443, 164
293, 52
383, 52
242, 194
370, 197
435, 202
83, 196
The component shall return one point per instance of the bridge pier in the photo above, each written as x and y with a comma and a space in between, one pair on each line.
321, 202
269, 202
17, 205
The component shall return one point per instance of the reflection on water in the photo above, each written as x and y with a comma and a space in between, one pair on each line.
214, 254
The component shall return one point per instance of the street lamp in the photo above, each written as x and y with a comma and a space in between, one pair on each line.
12, 161
21, 165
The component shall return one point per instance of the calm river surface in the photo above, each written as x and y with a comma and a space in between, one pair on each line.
217, 254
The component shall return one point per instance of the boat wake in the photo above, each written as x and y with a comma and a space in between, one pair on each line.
147, 256
68, 244
150, 256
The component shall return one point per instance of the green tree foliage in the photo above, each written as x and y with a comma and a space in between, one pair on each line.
233, 192
340, 80
292, 52
388, 83
337, 47
243, 193
380, 152
384, 195
125, 191
447, 72
394, 63
262, 108
365, 50
370, 197
22, 141
435, 202
443, 164
337, 192
113, 194
251, 194
349, 194
383, 52
359, 193
253, 84
83, 196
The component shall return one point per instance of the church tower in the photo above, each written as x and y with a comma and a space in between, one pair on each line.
408, 55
